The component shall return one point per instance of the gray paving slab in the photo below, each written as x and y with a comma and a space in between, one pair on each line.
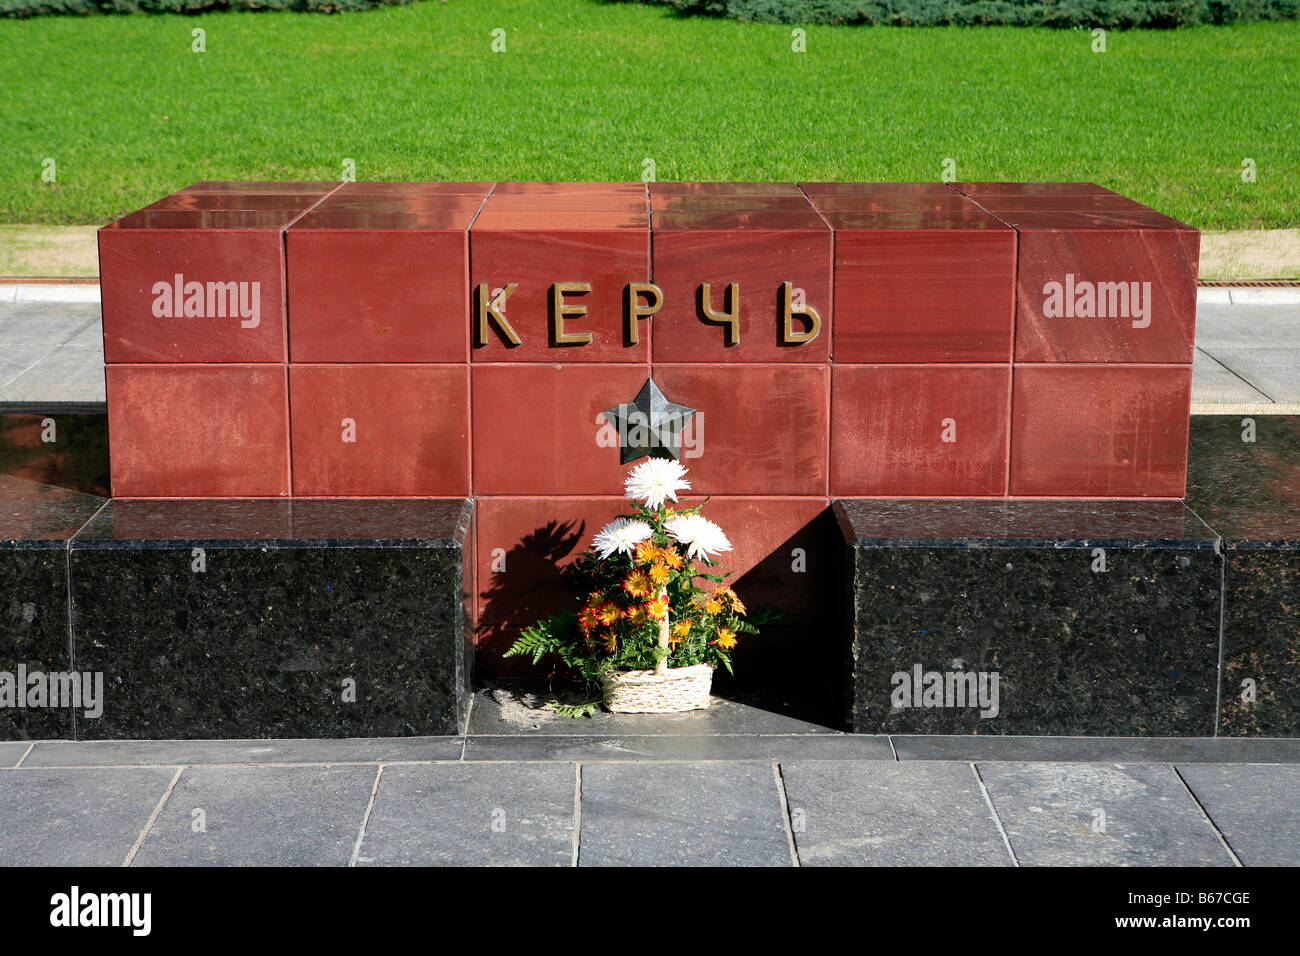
1256, 808
71, 374
1213, 382
108, 753
260, 816
922, 814
1275, 371
1101, 815
45, 323
12, 751
682, 814
520, 708
1246, 326
691, 747
76, 817
516, 814
1100, 749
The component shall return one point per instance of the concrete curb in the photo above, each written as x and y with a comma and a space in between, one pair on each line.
89, 292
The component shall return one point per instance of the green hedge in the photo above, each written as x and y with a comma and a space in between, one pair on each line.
1061, 13
36, 8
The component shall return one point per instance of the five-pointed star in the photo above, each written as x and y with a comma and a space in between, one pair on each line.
650, 425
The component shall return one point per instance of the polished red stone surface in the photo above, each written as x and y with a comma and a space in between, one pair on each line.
203, 201
382, 276
757, 430
543, 238
522, 549
1032, 189
380, 430
320, 188
758, 242
920, 278
926, 294
821, 191
1106, 295
781, 557
930, 430
536, 428
198, 431
209, 320
1100, 430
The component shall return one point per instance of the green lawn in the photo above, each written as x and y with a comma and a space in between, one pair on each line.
588, 90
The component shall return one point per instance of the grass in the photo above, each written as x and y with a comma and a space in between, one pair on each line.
589, 90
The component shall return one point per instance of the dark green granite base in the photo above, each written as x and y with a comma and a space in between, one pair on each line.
36, 521
1007, 591
310, 618
1249, 492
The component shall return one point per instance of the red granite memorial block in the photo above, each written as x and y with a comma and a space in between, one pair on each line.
920, 276
370, 430
523, 547
551, 267
248, 201
198, 431
989, 189
818, 192
1100, 430
745, 277
1101, 279
185, 285
540, 429
925, 431
318, 188
757, 429
380, 273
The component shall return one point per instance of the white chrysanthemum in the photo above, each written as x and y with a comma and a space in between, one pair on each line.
621, 534
655, 481
700, 535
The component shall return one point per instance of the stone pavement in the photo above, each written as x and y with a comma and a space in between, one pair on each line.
1247, 349
729, 786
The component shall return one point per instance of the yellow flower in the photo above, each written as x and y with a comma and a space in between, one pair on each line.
712, 606
646, 552
611, 642
637, 615
609, 613
589, 618
726, 638
672, 557
660, 574
638, 584
658, 608
681, 629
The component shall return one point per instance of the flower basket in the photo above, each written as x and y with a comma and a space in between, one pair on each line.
646, 692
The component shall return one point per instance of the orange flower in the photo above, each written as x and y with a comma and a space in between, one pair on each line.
660, 574
637, 614
658, 608
672, 557
589, 618
712, 606
726, 638
638, 584
646, 552
611, 642
609, 613
681, 629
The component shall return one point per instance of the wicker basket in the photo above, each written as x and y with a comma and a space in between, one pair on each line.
645, 692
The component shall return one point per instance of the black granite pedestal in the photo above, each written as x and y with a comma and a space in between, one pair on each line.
36, 521
1244, 481
329, 618
1029, 617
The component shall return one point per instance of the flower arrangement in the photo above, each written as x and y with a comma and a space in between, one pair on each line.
646, 622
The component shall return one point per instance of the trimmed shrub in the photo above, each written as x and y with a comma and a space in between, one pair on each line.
36, 8
1046, 13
